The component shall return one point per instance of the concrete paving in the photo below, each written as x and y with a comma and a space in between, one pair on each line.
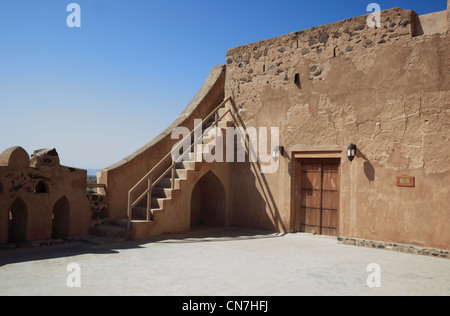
221, 262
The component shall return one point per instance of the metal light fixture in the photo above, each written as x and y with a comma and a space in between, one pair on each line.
277, 151
351, 152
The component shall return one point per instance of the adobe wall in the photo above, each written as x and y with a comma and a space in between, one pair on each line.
433, 23
381, 89
19, 178
121, 177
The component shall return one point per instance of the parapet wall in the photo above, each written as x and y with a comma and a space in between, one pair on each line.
338, 39
432, 23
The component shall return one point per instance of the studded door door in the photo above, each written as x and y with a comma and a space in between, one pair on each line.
318, 194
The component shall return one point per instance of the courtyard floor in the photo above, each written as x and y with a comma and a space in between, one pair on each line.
221, 262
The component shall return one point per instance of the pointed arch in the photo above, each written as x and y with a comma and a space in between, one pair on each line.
41, 188
208, 201
61, 219
18, 221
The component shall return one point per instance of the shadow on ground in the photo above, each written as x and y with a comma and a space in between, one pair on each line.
214, 234
99, 246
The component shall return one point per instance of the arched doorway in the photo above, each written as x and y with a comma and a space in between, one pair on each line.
61, 219
208, 202
18, 222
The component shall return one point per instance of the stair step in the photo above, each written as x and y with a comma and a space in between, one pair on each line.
205, 148
167, 183
108, 231
158, 203
122, 222
188, 157
188, 165
140, 229
153, 211
181, 174
159, 192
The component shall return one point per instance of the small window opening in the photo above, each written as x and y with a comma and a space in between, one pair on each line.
41, 188
297, 80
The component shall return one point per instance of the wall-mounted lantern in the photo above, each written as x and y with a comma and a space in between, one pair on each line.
351, 152
277, 151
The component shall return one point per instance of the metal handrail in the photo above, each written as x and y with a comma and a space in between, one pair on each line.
150, 175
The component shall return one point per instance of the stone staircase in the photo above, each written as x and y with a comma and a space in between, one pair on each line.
163, 194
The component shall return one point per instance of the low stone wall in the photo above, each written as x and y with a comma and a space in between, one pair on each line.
417, 250
99, 208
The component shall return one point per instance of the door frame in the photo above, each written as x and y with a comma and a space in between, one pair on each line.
319, 155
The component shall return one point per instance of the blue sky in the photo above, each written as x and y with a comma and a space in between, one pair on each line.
100, 92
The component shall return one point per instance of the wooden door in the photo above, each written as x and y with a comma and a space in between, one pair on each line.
310, 197
330, 198
318, 197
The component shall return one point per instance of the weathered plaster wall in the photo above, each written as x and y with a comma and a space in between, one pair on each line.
433, 23
382, 89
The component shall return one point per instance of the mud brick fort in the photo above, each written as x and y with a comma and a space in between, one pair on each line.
364, 147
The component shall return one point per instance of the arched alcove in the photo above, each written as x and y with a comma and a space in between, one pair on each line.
61, 219
41, 188
18, 222
208, 202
